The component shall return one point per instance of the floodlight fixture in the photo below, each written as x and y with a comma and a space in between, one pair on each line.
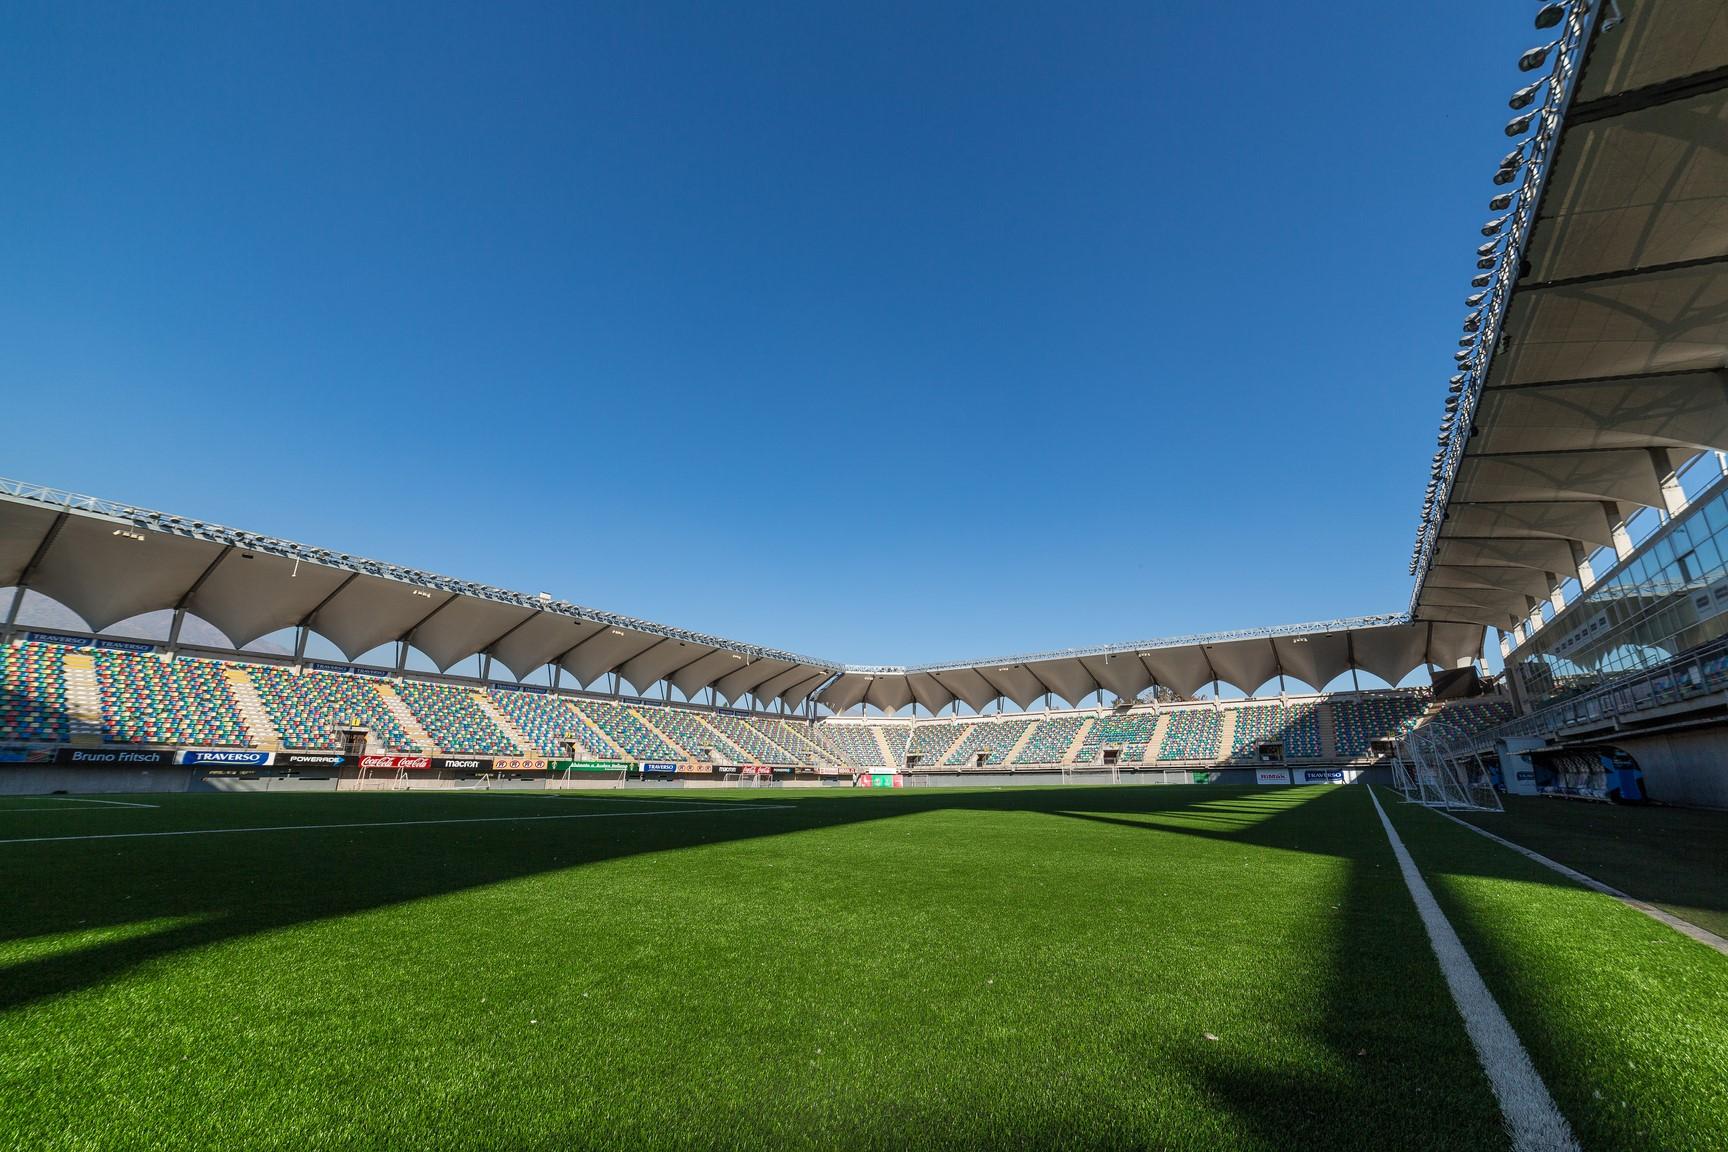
1550, 15
1474, 300
1536, 57
1519, 125
1480, 281
1501, 202
1526, 95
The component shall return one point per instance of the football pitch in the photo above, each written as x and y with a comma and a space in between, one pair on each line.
1164, 967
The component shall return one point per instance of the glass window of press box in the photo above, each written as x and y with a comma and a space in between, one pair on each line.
1669, 598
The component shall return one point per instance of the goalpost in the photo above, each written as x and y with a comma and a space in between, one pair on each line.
1431, 775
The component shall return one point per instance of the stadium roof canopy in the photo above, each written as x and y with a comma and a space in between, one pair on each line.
1591, 368
1390, 647
109, 562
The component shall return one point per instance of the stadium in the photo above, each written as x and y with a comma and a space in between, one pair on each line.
306, 849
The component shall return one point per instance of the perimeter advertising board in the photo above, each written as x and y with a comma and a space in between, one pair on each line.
1271, 775
113, 757
588, 765
1322, 775
397, 763
461, 764
215, 759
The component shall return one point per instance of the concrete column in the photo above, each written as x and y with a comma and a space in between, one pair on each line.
1505, 646
1581, 561
1622, 540
1666, 465
1535, 619
1558, 596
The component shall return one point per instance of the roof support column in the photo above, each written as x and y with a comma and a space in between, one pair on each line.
1557, 597
1622, 538
29, 571
1581, 561
1667, 463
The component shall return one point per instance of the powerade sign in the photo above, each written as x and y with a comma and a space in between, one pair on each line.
313, 760
231, 759
113, 757
1323, 776
659, 767
88, 642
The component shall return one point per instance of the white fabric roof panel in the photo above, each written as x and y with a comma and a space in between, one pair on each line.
541, 640
106, 578
1246, 664
249, 598
1315, 660
22, 530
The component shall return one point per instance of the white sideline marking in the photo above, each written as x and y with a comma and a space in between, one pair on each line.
74, 800
403, 823
1532, 1118
110, 803
1684, 927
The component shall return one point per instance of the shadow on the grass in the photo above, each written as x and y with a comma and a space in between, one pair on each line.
1387, 1024
211, 889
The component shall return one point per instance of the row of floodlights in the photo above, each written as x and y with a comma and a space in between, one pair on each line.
1496, 256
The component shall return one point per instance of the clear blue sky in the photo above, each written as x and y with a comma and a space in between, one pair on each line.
887, 333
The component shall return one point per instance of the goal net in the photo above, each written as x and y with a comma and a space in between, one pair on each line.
1428, 773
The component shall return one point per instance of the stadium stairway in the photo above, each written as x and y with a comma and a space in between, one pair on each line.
642, 714
597, 741
1227, 733
804, 748
1328, 730
887, 750
1078, 741
403, 716
83, 699
1159, 731
250, 705
489, 709
1025, 737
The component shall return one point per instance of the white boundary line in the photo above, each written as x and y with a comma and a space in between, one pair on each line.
1532, 1118
402, 823
74, 800
1685, 927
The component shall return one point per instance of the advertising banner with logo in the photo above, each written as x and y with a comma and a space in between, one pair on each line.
521, 764
399, 763
587, 765
88, 642
314, 760
231, 759
461, 764
1322, 775
1200, 777
113, 757
659, 767
349, 669
1271, 775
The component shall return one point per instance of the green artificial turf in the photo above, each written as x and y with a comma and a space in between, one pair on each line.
1676, 858
1625, 1018
1025, 968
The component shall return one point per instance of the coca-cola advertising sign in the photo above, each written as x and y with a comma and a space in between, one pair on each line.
407, 762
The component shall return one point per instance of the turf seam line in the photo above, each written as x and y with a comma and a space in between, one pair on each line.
403, 823
1661, 915
1533, 1120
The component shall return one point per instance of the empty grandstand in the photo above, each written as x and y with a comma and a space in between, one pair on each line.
1193, 734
